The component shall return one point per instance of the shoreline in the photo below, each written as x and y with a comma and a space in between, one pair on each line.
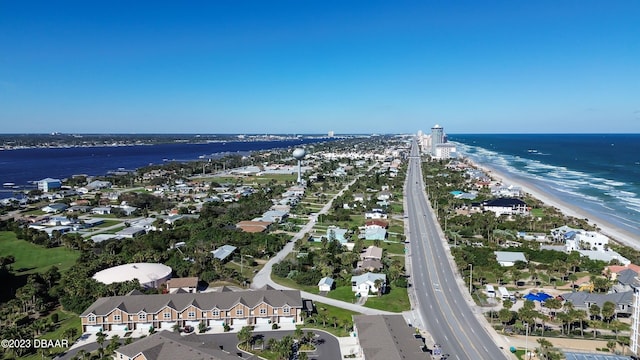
616, 234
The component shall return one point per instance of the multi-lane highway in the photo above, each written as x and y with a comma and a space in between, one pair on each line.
445, 311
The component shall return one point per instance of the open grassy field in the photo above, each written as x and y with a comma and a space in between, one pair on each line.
337, 321
292, 284
397, 300
343, 293
391, 247
31, 258
66, 320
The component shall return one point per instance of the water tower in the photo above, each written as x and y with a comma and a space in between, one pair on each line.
299, 154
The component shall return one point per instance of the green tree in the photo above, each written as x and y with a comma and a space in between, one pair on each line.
245, 335
505, 316
544, 347
608, 310
594, 311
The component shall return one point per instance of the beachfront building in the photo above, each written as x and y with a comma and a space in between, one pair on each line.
445, 151
506, 206
164, 311
585, 240
437, 138
582, 300
48, 184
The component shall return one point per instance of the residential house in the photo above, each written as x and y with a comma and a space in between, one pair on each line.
371, 252
223, 252
368, 282
55, 208
506, 190
131, 232
583, 300
376, 223
185, 285
375, 214
164, 311
506, 206
370, 259
612, 271
384, 195
626, 280
253, 226
94, 185
585, 240
359, 197
334, 232
325, 284
101, 210
273, 216
508, 258
375, 234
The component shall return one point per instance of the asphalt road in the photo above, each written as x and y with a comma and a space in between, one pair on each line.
445, 311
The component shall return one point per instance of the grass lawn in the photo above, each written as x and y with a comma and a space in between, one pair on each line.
391, 247
66, 320
34, 258
397, 300
538, 212
343, 293
292, 284
343, 321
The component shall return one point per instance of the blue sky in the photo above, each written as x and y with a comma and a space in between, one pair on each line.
314, 66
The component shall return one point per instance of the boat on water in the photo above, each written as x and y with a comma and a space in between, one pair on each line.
532, 151
9, 184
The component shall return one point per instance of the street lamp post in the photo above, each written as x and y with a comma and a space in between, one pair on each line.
526, 340
470, 278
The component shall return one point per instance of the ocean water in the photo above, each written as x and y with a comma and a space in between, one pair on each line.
598, 172
23, 166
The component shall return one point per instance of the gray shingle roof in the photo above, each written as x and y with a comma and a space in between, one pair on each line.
166, 345
387, 337
133, 304
581, 299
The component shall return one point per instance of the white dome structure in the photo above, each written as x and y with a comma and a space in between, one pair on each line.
150, 275
299, 153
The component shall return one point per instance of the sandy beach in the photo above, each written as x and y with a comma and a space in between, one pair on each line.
614, 233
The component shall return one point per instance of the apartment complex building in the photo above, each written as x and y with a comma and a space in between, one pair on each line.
164, 311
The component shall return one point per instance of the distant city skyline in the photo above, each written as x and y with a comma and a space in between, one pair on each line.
301, 67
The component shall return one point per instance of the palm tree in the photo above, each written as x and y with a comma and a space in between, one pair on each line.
505, 317
545, 345
378, 283
245, 335
608, 310
100, 338
594, 311
616, 326
581, 315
